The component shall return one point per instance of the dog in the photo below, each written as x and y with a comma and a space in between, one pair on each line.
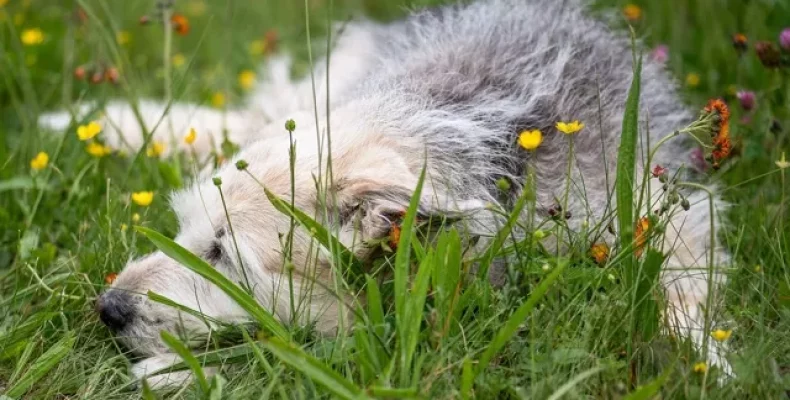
447, 90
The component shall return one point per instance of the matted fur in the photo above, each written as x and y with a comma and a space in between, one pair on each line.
449, 88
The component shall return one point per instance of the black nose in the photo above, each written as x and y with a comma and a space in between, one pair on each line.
115, 309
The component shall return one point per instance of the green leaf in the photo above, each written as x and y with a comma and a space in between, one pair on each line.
42, 365
183, 351
645, 304
518, 317
23, 182
351, 264
172, 173
414, 314
314, 369
217, 383
202, 268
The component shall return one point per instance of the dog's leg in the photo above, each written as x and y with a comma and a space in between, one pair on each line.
145, 369
687, 278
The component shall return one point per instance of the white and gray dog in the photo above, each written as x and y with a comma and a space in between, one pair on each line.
453, 85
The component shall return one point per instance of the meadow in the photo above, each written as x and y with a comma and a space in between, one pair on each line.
562, 326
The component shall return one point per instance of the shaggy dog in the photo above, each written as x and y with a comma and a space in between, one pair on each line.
448, 89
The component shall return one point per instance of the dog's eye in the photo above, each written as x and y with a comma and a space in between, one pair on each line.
214, 254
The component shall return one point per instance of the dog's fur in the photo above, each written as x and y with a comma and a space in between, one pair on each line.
453, 86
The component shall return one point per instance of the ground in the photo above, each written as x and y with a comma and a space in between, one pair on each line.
68, 225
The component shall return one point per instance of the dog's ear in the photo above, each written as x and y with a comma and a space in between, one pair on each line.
372, 207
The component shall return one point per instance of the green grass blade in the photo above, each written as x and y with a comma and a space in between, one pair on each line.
202, 268
650, 390
413, 323
183, 351
626, 166
565, 388
352, 264
645, 303
42, 365
314, 369
518, 317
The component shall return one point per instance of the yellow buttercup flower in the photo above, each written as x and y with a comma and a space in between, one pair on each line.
178, 60
218, 100
155, 149
570, 128
256, 47
191, 136
135, 218
98, 150
40, 161
123, 37
701, 367
530, 140
124, 227
721, 335
142, 199
32, 37
246, 79
692, 80
85, 132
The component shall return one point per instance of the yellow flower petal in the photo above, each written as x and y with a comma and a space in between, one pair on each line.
32, 37
218, 100
701, 367
570, 128
246, 79
85, 132
191, 136
40, 161
155, 150
530, 140
632, 12
692, 80
98, 150
721, 335
143, 199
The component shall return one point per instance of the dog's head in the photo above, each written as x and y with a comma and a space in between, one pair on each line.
242, 235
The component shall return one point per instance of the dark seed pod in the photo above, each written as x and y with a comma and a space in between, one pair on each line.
685, 204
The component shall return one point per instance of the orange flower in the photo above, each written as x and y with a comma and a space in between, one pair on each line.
600, 253
722, 146
180, 24
640, 235
110, 278
394, 236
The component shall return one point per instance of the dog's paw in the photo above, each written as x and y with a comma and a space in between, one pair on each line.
154, 371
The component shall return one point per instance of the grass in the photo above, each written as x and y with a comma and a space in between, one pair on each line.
556, 330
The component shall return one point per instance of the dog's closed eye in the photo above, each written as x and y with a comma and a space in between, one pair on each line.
214, 253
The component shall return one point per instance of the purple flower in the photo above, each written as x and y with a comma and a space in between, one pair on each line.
784, 39
660, 54
747, 99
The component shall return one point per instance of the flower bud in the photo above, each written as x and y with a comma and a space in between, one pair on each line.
747, 99
290, 125
241, 165
217, 181
784, 39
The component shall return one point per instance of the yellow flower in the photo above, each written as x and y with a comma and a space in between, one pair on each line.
256, 47
758, 268
98, 150
632, 12
123, 37
40, 161
721, 335
783, 163
3, 2
701, 367
156, 149
178, 60
32, 37
570, 128
191, 136
124, 227
530, 140
218, 100
135, 218
246, 79
142, 199
692, 80
85, 132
